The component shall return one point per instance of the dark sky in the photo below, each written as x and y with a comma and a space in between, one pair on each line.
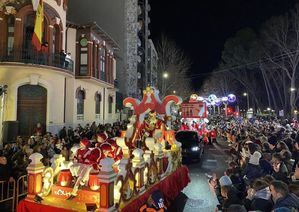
200, 27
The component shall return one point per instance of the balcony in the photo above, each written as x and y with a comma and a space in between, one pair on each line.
30, 56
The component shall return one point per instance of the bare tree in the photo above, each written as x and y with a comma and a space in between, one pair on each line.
221, 84
281, 39
173, 67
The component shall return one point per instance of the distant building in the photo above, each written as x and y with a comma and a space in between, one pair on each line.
49, 87
127, 22
119, 19
152, 64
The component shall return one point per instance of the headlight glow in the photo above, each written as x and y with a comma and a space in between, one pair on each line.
195, 149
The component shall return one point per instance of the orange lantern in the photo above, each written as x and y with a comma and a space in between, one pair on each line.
93, 182
65, 178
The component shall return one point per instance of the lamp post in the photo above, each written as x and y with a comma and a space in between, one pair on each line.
164, 77
247, 99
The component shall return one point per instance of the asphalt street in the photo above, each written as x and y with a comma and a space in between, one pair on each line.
200, 197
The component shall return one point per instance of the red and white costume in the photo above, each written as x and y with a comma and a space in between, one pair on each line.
85, 160
116, 151
101, 138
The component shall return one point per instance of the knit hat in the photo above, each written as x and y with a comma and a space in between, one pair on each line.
225, 181
255, 158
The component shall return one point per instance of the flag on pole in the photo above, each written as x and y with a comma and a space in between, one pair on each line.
38, 27
35, 4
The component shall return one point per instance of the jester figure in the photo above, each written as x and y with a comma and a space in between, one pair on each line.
85, 161
150, 124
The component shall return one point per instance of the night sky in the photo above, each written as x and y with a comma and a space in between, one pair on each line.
200, 27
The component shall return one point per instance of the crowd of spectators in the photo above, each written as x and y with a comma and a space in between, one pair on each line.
263, 166
14, 157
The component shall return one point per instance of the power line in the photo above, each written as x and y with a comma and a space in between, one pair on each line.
281, 56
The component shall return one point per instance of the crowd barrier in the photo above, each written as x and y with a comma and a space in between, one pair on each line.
12, 192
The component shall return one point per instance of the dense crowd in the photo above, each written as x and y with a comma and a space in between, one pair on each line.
263, 166
14, 157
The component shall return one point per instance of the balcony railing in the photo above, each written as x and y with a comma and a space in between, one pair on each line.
30, 56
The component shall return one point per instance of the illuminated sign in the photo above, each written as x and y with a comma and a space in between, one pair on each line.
194, 110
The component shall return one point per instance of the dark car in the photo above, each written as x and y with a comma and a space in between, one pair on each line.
192, 146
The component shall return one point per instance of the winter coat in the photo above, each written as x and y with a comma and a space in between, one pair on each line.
290, 201
282, 174
252, 172
266, 167
260, 202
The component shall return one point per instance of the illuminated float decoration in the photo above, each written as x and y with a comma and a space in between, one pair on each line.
117, 170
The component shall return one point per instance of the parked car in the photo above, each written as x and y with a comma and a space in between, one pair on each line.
192, 146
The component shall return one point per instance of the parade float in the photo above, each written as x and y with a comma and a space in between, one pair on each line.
195, 113
117, 174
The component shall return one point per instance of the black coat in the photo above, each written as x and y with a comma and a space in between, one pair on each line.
5, 172
258, 204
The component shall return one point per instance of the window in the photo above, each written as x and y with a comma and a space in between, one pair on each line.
55, 39
102, 63
98, 99
110, 103
80, 102
10, 34
83, 71
28, 31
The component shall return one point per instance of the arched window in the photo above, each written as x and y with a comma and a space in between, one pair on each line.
102, 63
28, 31
110, 103
98, 100
55, 39
10, 33
80, 102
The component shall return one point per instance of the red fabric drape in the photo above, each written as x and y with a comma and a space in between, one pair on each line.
171, 186
26, 206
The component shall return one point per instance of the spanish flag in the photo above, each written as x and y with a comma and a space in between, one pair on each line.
38, 28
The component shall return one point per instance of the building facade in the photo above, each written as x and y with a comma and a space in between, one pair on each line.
153, 64
48, 87
127, 22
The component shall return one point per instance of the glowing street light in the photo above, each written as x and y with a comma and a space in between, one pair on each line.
247, 99
268, 109
174, 92
292, 89
295, 112
164, 77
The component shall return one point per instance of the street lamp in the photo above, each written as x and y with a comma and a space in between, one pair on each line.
174, 92
247, 99
292, 89
164, 77
268, 108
